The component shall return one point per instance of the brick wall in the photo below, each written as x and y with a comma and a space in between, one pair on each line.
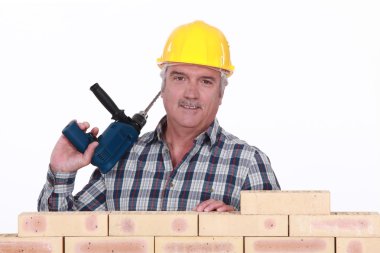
269, 222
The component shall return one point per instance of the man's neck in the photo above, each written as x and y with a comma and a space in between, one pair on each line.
180, 141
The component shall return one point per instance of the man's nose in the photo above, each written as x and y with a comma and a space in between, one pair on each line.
192, 89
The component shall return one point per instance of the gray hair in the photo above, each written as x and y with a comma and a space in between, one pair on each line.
223, 79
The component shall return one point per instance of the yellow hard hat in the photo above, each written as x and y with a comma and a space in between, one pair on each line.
198, 43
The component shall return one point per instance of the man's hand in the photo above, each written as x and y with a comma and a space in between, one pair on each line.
66, 158
213, 205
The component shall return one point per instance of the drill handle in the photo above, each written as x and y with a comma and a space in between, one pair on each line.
108, 103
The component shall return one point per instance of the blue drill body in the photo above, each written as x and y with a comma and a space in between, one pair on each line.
116, 140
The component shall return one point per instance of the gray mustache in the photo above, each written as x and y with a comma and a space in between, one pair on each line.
189, 103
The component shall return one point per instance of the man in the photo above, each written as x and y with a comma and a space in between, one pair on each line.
189, 162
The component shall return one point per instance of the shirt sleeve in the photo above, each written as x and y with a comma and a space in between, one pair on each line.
57, 193
261, 175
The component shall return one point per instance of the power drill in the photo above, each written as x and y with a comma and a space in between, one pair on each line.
118, 138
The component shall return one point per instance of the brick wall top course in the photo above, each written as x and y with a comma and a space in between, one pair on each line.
269, 222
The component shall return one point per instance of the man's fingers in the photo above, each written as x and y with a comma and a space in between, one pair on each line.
83, 125
225, 208
95, 131
201, 206
213, 205
88, 154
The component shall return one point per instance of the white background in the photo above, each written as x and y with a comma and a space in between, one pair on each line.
305, 91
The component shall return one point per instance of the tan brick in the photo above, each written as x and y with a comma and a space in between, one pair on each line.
236, 224
153, 223
336, 224
199, 244
358, 245
15, 244
63, 224
289, 244
285, 202
109, 244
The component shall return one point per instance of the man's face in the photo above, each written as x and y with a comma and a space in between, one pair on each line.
191, 96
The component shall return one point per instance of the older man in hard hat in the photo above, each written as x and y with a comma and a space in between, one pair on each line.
189, 162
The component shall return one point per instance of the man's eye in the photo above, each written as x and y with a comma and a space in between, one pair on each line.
207, 82
179, 78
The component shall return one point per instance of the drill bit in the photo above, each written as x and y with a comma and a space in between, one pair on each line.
145, 112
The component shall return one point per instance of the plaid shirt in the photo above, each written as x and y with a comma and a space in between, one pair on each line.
218, 167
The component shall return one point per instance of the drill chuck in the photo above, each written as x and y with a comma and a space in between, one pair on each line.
140, 119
